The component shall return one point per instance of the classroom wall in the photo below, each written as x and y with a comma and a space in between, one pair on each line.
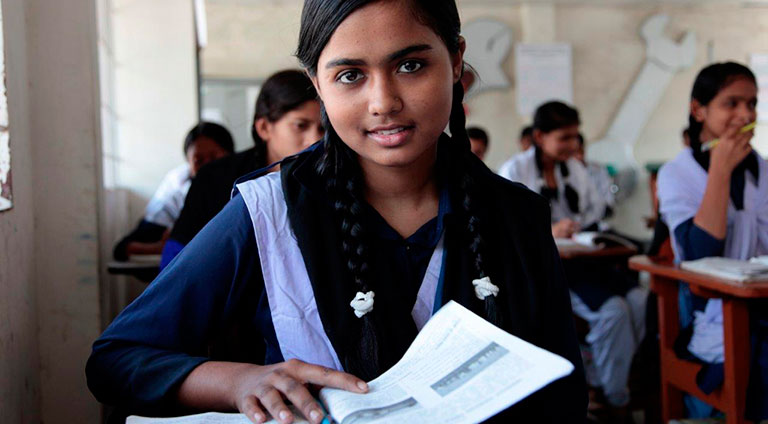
253, 39
151, 63
19, 367
49, 259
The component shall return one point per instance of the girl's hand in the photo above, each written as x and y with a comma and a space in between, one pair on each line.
263, 389
732, 149
565, 228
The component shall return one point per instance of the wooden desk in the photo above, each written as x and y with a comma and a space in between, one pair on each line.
679, 376
145, 268
614, 252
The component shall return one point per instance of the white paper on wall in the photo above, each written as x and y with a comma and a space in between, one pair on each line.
759, 65
543, 72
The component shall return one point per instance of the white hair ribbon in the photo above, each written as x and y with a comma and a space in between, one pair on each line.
484, 288
362, 303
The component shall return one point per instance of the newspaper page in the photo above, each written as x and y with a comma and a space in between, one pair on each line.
460, 369
210, 418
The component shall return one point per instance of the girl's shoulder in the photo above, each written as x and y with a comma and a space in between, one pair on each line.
683, 164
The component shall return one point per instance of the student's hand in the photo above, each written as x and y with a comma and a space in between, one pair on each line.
264, 389
730, 151
565, 228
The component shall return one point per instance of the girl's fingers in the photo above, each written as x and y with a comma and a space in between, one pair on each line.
327, 377
273, 401
250, 408
298, 394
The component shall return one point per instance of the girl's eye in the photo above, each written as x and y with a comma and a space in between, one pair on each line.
409, 66
349, 77
301, 126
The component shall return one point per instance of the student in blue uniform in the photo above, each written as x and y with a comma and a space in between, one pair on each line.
716, 204
337, 261
606, 297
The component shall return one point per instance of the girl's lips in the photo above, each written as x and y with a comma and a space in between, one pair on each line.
390, 137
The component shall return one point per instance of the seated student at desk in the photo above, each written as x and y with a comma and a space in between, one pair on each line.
286, 120
715, 203
204, 143
608, 300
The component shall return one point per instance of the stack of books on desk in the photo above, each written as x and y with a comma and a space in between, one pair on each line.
730, 269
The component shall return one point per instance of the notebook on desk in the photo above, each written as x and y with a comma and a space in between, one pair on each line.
730, 269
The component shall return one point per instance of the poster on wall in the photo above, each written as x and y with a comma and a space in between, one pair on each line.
543, 72
759, 65
5, 144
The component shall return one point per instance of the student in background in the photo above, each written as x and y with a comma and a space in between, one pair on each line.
526, 138
385, 197
609, 300
600, 178
478, 140
286, 120
204, 143
716, 204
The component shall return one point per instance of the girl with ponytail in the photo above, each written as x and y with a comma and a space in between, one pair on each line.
338, 260
715, 202
612, 303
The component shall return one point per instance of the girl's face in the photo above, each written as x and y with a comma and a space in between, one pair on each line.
387, 85
558, 145
293, 132
733, 107
202, 151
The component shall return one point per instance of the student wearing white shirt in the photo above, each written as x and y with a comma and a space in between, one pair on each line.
715, 203
607, 299
204, 143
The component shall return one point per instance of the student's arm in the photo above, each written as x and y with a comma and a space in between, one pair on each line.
144, 355
154, 356
140, 240
713, 212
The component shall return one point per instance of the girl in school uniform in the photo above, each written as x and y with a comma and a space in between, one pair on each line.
612, 304
715, 202
324, 272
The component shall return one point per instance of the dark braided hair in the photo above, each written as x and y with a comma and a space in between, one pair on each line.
341, 171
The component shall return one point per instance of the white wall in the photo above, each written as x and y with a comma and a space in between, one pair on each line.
152, 64
251, 39
49, 263
19, 367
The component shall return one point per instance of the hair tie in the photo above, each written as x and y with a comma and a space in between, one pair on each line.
484, 288
363, 303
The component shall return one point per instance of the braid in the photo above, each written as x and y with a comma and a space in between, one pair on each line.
341, 170
466, 184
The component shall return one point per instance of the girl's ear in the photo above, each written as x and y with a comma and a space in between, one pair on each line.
698, 111
538, 136
457, 60
262, 128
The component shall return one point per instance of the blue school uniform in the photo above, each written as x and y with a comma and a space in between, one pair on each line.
213, 301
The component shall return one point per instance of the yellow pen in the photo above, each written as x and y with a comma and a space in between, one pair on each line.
711, 144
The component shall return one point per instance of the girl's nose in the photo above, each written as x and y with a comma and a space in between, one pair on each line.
384, 99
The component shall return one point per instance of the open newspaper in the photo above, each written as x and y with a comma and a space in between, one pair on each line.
459, 369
